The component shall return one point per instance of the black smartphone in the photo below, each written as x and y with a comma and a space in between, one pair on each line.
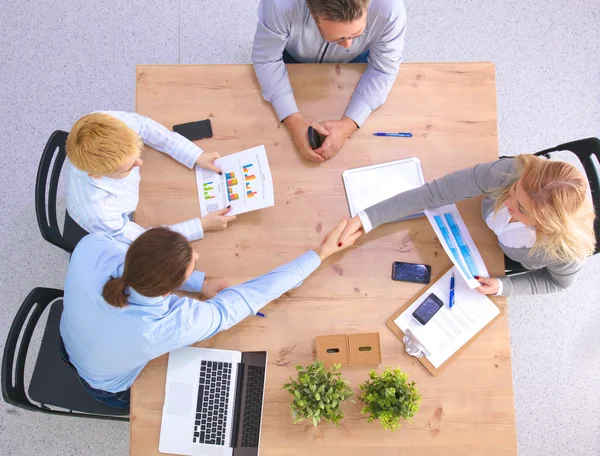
314, 138
411, 272
428, 309
195, 130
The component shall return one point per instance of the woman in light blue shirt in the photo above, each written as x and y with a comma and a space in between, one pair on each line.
120, 313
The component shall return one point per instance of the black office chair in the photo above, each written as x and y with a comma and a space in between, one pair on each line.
46, 209
54, 383
585, 150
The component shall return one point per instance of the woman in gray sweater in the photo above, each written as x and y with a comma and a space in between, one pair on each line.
539, 209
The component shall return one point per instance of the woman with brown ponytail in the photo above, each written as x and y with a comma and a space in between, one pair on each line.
120, 311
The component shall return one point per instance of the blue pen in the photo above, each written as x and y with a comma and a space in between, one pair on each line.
260, 314
396, 135
451, 303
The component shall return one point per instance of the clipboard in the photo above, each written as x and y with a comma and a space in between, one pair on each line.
369, 185
423, 360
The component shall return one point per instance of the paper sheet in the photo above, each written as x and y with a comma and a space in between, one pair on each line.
246, 183
449, 329
371, 184
458, 243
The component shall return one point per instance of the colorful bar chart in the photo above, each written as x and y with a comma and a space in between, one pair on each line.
229, 176
232, 182
250, 193
207, 187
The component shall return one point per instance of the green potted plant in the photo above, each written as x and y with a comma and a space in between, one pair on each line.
389, 398
318, 394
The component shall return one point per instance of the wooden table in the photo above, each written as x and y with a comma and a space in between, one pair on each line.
451, 110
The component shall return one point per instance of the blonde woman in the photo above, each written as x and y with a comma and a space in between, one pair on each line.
539, 209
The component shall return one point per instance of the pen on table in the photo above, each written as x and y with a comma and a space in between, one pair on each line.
396, 135
260, 314
451, 303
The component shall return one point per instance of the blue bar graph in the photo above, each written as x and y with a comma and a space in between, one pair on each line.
464, 248
451, 245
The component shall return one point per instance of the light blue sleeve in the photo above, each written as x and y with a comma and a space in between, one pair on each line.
195, 282
201, 320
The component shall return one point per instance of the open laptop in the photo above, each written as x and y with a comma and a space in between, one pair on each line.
213, 402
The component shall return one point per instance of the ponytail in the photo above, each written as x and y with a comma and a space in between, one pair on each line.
114, 292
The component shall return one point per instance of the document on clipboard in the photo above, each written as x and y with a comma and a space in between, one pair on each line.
369, 185
450, 328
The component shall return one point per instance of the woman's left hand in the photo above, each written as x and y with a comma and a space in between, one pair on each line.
488, 286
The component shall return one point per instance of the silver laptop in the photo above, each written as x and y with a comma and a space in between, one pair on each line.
213, 402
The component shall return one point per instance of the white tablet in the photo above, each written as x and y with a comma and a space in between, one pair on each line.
371, 184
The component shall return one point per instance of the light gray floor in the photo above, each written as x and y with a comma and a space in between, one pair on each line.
61, 59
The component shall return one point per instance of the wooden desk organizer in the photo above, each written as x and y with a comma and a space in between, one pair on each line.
349, 349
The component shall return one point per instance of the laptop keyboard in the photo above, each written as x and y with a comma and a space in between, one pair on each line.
213, 400
253, 407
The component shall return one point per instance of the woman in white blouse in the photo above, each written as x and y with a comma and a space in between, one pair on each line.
539, 209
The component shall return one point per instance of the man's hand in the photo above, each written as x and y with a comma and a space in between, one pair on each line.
488, 286
212, 286
331, 244
216, 220
354, 226
298, 125
339, 132
206, 161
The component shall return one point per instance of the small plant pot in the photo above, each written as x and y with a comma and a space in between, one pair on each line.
318, 394
390, 398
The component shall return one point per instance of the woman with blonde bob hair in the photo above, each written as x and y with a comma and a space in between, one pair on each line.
539, 209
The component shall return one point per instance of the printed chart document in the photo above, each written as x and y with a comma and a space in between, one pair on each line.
246, 183
458, 243
449, 329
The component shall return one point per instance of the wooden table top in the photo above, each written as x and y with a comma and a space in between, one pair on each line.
451, 110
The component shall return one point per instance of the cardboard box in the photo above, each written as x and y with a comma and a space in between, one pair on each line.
332, 349
364, 349
349, 349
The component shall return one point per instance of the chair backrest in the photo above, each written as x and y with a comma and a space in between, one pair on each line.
13, 373
45, 209
585, 150
56, 383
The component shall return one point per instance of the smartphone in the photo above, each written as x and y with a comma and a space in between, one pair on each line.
428, 309
411, 272
314, 138
195, 130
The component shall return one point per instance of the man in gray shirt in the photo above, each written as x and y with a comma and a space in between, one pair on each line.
328, 31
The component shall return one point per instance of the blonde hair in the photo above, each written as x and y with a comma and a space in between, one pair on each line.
560, 206
100, 143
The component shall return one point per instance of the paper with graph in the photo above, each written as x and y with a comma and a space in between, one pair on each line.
246, 183
458, 243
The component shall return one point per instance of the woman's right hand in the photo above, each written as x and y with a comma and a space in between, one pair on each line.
216, 220
332, 242
354, 226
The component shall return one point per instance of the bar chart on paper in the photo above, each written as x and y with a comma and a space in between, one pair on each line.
457, 242
248, 178
245, 185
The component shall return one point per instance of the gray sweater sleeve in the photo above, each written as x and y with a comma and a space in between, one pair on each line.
549, 279
272, 33
449, 189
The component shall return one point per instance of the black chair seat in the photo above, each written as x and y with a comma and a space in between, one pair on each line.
56, 383
54, 387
